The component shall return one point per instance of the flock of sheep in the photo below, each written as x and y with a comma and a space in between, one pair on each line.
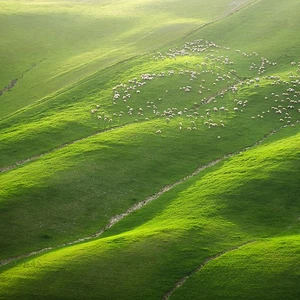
210, 78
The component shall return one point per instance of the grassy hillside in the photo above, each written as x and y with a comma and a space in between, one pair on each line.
155, 159
273, 23
168, 238
50, 45
75, 190
262, 270
66, 117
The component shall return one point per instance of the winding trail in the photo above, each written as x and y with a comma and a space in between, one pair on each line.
115, 219
205, 262
9, 87
14, 81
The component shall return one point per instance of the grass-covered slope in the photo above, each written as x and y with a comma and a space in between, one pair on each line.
75, 190
63, 118
193, 98
50, 45
171, 124
148, 252
268, 27
267, 269
66, 118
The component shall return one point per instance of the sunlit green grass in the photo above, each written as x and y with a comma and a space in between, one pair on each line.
65, 41
272, 23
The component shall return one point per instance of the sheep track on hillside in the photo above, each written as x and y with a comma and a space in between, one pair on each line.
205, 262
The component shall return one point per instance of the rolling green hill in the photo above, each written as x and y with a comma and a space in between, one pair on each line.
168, 238
154, 152
51, 45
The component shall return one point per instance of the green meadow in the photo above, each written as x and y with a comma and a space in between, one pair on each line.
149, 149
51, 45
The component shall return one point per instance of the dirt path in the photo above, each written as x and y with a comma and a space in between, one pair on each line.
205, 262
14, 81
137, 206
9, 87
